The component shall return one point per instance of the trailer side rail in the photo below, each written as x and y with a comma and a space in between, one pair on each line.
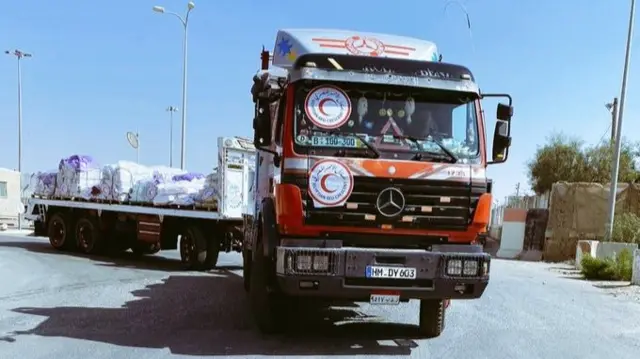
172, 212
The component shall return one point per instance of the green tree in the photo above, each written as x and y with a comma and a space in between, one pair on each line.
566, 159
599, 159
561, 159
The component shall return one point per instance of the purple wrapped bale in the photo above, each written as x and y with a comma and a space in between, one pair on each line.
188, 177
77, 176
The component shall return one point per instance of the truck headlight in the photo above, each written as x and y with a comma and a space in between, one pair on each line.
303, 262
466, 267
470, 268
454, 267
320, 263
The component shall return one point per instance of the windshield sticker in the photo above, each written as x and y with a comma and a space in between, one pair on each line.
327, 107
330, 184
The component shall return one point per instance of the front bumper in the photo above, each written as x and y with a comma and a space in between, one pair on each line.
446, 271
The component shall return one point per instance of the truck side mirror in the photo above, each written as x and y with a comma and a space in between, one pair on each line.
502, 132
501, 142
504, 112
262, 125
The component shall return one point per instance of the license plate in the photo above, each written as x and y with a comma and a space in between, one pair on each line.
384, 299
390, 272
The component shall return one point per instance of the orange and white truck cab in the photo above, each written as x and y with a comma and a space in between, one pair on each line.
370, 180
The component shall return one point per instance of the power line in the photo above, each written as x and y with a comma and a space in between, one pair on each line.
604, 133
467, 17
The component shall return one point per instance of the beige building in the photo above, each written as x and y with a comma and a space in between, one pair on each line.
10, 197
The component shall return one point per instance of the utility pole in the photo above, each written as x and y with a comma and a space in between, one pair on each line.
613, 108
518, 189
19, 55
616, 154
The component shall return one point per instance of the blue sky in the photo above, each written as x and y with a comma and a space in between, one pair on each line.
103, 68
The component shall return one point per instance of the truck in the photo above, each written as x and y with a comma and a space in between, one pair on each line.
106, 227
370, 182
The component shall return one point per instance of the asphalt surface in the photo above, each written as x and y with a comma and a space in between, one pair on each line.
56, 305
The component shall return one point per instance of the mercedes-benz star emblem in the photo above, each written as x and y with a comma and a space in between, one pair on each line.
390, 202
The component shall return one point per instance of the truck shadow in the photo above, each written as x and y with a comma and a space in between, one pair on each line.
120, 260
210, 315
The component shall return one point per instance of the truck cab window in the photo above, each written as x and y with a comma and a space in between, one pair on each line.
380, 116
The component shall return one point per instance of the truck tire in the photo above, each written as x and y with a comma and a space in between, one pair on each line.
268, 307
432, 317
89, 238
246, 269
197, 252
60, 232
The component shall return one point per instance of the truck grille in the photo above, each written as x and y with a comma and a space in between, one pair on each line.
435, 204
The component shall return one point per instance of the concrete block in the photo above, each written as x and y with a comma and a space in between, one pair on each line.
611, 249
635, 277
585, 247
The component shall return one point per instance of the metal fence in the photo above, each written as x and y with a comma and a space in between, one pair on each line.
524, 202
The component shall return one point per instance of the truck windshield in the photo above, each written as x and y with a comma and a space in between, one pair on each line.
394, 120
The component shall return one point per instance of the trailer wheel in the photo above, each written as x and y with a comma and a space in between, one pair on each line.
432, 317
268, 306
89, 238
198, 252
58, 232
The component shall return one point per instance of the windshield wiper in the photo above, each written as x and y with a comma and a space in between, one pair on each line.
450, 155
342, 152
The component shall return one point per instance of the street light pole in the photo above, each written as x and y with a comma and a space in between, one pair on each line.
19, 55
171, 110
185, 23
616, 154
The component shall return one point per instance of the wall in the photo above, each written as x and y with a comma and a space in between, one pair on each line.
11, 205
578, 211
512, 236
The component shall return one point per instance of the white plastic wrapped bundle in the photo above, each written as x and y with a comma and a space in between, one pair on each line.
43, 184
77, 176
209, 194
119, 180
181, 193
146, 189
166, 174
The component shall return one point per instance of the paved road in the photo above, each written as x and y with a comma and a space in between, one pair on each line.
55, 305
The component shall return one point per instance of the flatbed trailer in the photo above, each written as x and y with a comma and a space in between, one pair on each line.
109, 227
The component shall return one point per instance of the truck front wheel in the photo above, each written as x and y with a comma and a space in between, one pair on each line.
432, 317
246, 269
267, 305
60, 232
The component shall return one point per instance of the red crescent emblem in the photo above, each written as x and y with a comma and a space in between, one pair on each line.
316, 102
323, 182
330, 194
322, 103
